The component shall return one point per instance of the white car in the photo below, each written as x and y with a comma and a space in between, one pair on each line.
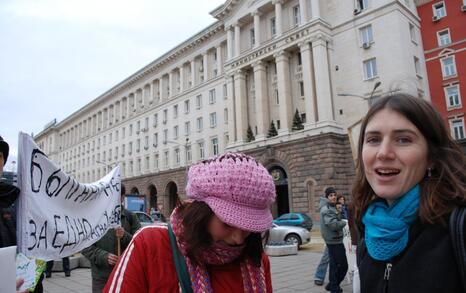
146, 220
290, 234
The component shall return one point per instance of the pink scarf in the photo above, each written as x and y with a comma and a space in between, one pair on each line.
217, 254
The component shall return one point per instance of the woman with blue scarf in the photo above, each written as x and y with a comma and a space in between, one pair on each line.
410, 175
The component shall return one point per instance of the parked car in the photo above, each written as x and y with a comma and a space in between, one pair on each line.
158, 216
144, 219
290, 234
295, 219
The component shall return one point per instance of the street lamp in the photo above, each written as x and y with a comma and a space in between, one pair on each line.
376, 85
107, 166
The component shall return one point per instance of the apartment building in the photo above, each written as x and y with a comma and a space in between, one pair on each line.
443, 29
281, 80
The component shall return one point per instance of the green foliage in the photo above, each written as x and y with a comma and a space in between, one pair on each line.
297, 122
272, 130
250, 135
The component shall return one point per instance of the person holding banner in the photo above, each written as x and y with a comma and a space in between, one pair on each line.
410, 185
214, 242
8, 195
104, 254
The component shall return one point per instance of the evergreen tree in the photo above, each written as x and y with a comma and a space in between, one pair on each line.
272, 130
297, 122
249, 135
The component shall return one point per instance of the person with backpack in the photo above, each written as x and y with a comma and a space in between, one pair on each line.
410, 182
214, 241
103, 255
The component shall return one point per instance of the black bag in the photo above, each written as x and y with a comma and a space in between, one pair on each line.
457, 234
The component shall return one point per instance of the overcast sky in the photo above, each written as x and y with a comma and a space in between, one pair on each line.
56, 56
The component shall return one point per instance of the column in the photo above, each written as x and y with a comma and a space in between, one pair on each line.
99, 122
229, 42
241, 106
308, 81
117, 111
219, 60
257, 33
231, 108
237, 40
278, 17
315, 9
205, 65
143, 97
130, 104
193, 72
303, 11
126, 107
284, 91
171, 87
181, 70
262, 109
322, 79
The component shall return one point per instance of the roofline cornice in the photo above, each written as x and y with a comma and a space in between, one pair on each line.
191, 43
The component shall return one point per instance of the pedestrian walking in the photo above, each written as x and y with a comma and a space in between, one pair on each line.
321, 271
331, 227
410, 176
213, 242
104, 254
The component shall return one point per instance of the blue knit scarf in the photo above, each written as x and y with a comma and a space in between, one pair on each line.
387, 227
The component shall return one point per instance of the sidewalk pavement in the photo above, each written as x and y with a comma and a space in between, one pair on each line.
293, 273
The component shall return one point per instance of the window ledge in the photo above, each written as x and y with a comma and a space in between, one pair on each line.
451, 108
450, 76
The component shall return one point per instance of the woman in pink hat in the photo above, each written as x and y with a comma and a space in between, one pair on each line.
214, 242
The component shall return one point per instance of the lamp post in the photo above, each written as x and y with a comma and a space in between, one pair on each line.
108, 167
376, 85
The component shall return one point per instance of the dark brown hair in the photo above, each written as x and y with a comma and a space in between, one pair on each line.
446, 187
196, 216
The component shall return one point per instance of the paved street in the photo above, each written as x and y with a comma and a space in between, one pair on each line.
289, 274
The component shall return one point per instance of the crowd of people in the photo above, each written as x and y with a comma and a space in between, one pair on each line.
410, 181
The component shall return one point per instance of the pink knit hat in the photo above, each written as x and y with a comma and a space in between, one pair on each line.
237, 188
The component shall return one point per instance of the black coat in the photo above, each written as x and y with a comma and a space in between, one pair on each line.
427, 264
8, 194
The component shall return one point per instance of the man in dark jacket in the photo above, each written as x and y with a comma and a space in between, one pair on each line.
103, 254
8, 195
331, 227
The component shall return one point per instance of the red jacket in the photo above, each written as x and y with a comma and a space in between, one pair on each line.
147, 266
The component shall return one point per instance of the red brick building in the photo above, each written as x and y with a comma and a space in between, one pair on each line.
443, 29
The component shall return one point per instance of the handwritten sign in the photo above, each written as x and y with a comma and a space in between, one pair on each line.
57, 215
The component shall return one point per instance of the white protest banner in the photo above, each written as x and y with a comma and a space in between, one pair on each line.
58, 216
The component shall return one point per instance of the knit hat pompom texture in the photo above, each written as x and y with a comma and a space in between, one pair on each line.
237, 188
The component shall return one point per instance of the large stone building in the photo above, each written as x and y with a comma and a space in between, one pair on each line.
259, 63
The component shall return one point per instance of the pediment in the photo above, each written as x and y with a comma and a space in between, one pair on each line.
235, 10
446, 52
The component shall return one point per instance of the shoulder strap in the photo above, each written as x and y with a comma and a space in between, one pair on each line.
457, 234
180, 264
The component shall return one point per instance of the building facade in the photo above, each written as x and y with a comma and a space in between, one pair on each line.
282, 80
443, 28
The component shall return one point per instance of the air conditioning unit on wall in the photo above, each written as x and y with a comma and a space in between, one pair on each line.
463, 8
435, 18
366, 45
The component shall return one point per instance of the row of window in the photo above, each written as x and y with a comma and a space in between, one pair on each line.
128, 166
187, 132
